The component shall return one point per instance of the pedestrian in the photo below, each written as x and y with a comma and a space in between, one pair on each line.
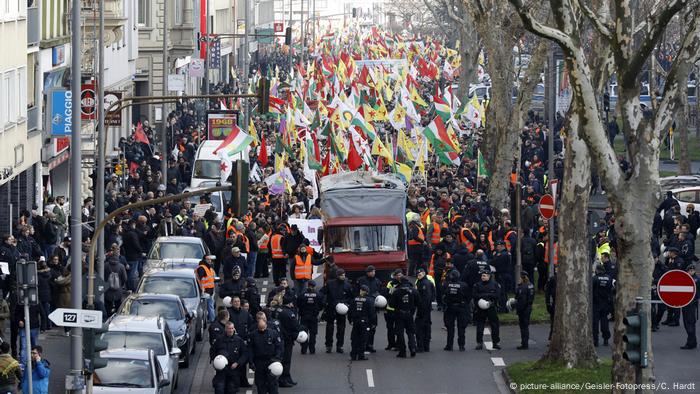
233, 348
44, 290
233, 260
336, 291
416, 245
404, 301
550, 298
290, 328
374, 285
63, 290
524, 297
425, 285
116, 278
205, 277
217, 329
390, 313
690, 313
279, 257
265, 347
41, 371
133, 251
311, 302
602, 303
251, 294
486, 294
10, 370
362, 317
438, 263
4, 315
455, 298
501, 260
34, 324
233, 286
302, 269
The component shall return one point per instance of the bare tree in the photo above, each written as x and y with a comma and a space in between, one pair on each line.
634, 194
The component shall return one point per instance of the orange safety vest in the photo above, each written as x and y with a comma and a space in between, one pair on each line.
506, 239
425, 217
463, 239
266, 243
431, 268
207, 282
413, 242
276, 243
435, 236
490, 238
556, 253
302, 269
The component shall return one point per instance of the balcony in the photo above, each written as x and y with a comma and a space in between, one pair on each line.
33, 26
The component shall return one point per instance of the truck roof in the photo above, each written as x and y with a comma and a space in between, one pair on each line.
361, 180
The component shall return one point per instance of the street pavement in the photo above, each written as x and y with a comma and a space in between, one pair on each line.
437, 372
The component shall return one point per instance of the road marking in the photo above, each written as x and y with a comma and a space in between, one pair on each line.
370, 378
316, 273
488, 345
676, 289
262, 298
498, 362
264, 283
487, 331
249, 391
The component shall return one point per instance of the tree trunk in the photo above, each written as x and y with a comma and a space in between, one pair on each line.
569, 344
469, 51
682, 124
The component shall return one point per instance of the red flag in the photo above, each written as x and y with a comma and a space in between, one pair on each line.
354, 159
262, 156
317, 151
326, 164
133, 166
139, 135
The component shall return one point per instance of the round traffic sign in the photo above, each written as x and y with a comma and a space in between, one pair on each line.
676, 288
547, 206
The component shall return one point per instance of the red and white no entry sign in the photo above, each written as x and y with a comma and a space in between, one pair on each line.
547, 206
676, 288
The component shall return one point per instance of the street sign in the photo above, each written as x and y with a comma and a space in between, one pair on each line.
676, 288
84, 318
279, 27
547, 206
113, 118
88, 101
59, 121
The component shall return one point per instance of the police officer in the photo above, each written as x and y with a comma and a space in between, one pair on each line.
252, 295
455, 299
265, 347
690, 313
310, 303
674, 262
390, 313
489, 291
233, 348
602, 304
550, 298
404, 301
289, 325
657, 309
374, 285
336, 291
217, 329
425, 285
524, 297
362, 317
502, 261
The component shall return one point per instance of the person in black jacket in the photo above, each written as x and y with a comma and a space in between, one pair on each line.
289, 325
489, 291
602, 303
133, 252
113, 296
455, 298
550, 298
362, 317
265, 347
233, 348
527, 251
426, 294
374, 285
217, 329
690, 313
233, 286
524, 297
336, 291
404, 301
44, 290
252, 295
310, 303
503, 263
244, 324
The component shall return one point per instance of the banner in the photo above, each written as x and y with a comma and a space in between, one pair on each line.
309, 228
220, 124
60, 112
196, 68
88, 101
113, 118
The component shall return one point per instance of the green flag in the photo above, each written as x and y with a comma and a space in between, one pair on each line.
481, 166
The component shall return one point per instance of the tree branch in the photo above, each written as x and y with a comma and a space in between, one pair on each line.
601, 26
540, 29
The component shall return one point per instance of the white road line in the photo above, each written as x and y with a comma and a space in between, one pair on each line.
249, 391
498, 362
316, 273
262, 298
488, 345
264, 283
487, 331
676, 289
370, 378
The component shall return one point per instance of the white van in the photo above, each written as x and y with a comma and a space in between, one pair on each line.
207, 165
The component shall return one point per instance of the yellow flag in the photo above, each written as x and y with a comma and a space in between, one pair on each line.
405, 145
453, 138
416, 98
279, 163
378, 149
322, 109
404, 171
420, 162
382, 115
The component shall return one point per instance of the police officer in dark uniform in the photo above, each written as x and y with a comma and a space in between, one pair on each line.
336, 291
390, 313
252, 295
657, 309
455, 298
426, 293
502, 261
602, 304
265, 347
404, 301
550, 298
362, 317
524, 297
374, 285
310, 303
690, 313
217, 329
487, 290
233, 348
289, 325
244, 324
674, 262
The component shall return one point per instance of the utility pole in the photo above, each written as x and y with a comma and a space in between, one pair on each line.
291, 44
164, 116
246, 67
303, 38
206, 45
101, 134
552, 107
75, 381
313, 26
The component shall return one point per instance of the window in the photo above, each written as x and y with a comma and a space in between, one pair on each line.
30, 80
22, 92
12, 104
144, 12
178, 12
386, 238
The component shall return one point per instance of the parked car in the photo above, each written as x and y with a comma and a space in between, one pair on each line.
135, 371
679, 181
171, 308
176, 252
181, 282
152, 333
687, 195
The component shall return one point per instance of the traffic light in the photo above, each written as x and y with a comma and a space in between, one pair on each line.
92, 346
635, 339
288, 36
354, 12
606, 102
263, 96
239, 188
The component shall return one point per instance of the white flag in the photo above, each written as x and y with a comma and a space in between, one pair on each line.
226, 166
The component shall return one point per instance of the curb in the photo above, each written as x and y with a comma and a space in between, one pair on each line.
506, 377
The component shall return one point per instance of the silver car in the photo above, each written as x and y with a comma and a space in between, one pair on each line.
181, 282
139, 332
135, 371
176, 252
